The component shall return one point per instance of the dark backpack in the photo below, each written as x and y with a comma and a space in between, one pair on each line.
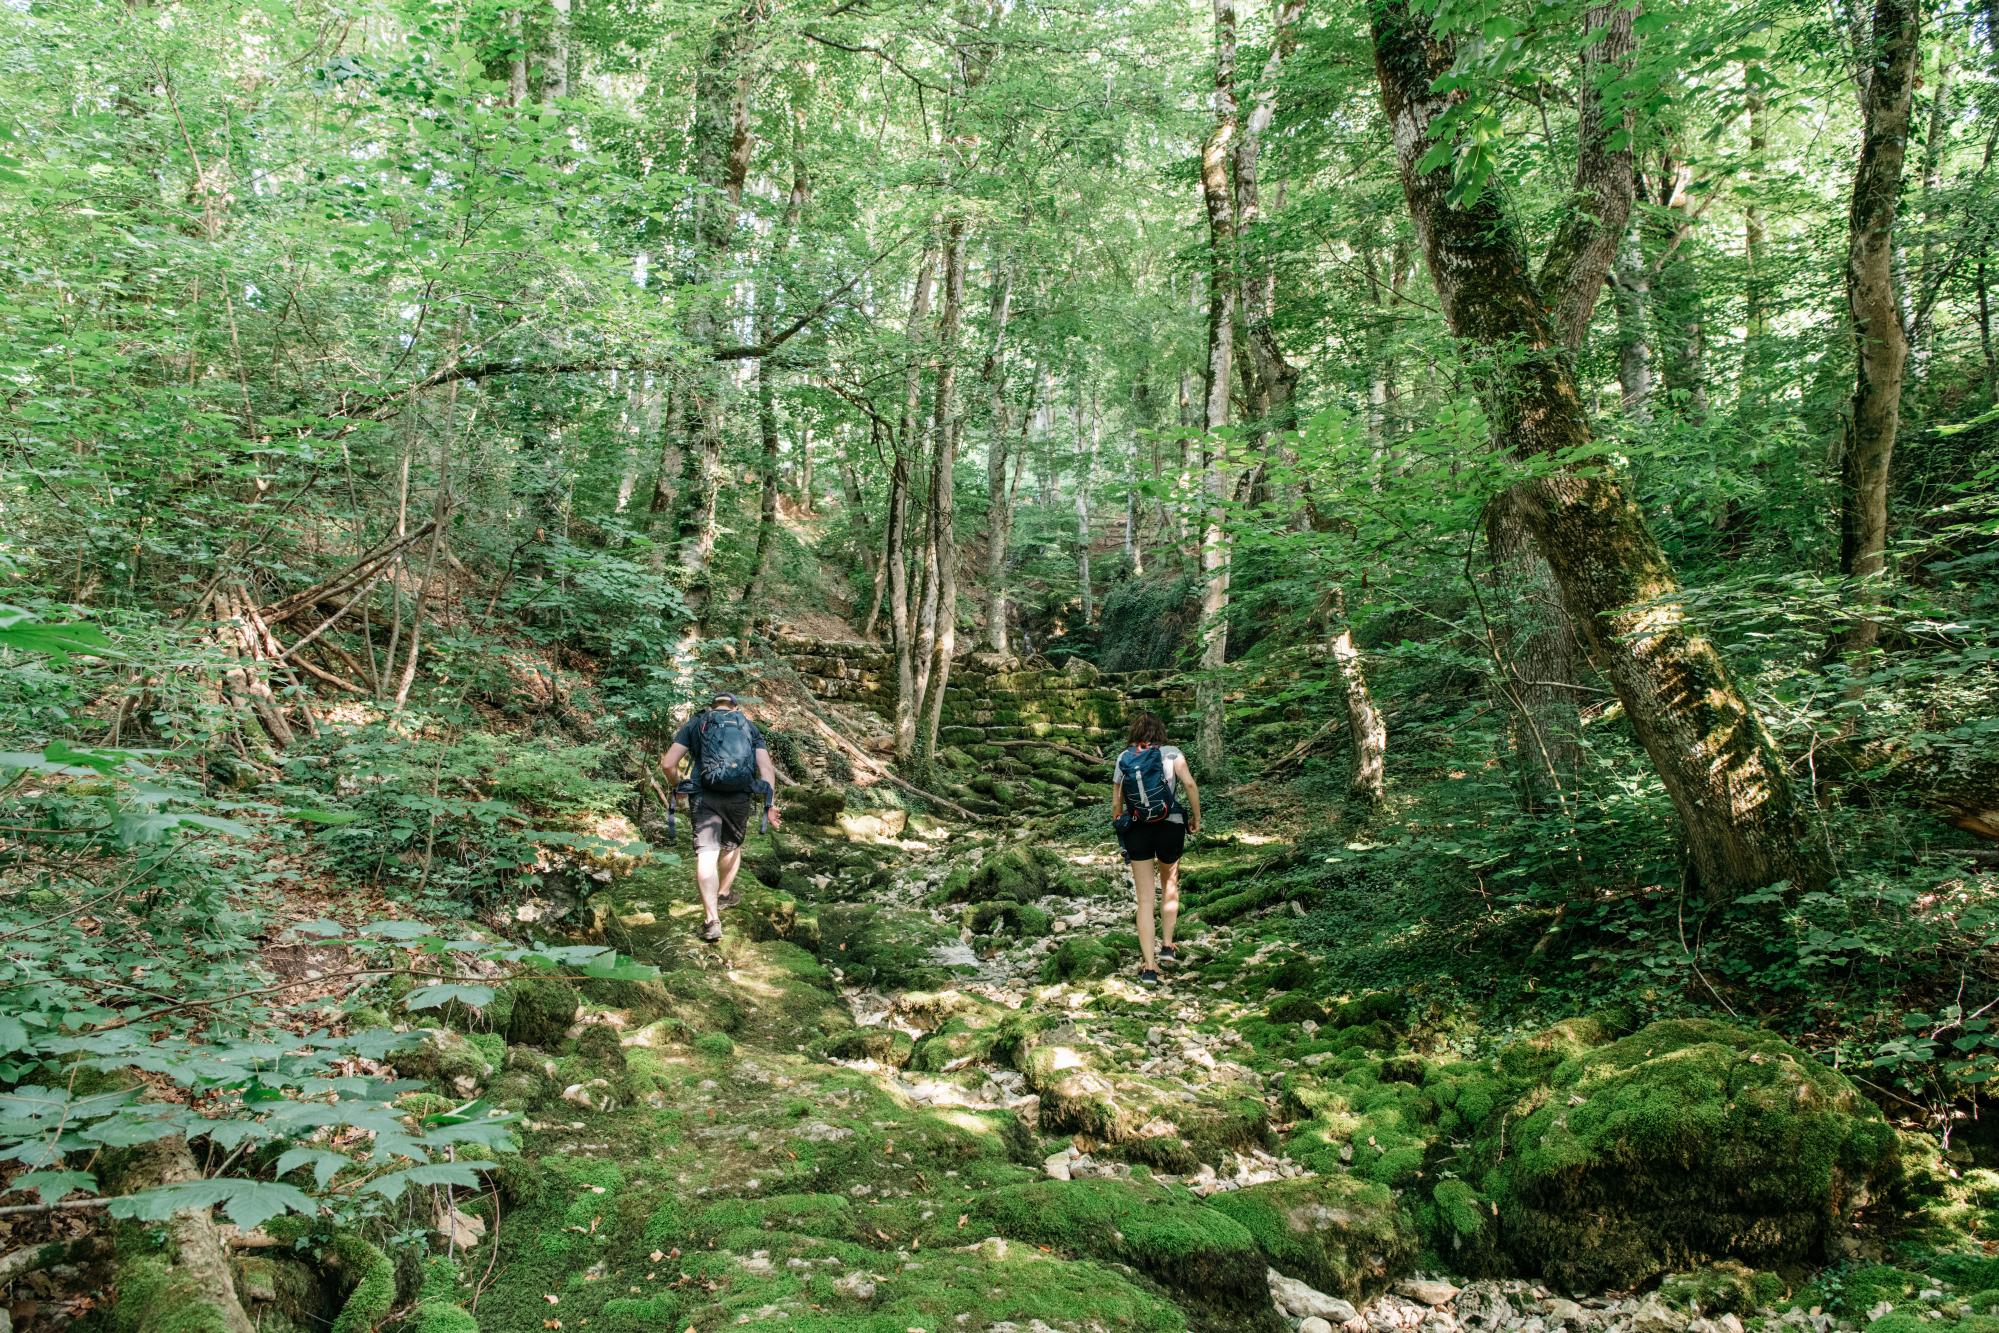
1147, 787
728, 752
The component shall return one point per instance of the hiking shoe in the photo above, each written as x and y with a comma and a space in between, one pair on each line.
712, 932
1148, 977
1168, 954
728, 899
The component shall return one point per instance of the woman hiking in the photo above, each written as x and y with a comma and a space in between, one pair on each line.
1152, 829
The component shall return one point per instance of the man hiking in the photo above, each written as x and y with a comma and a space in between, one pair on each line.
1152, 830
727, 765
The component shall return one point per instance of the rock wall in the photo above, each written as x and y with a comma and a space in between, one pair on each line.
992, 699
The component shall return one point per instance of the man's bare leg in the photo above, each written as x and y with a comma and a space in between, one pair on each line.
1141, 878
730, 862
708, 881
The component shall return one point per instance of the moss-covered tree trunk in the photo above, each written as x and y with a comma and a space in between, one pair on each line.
901, 623
946, 421
1712, 753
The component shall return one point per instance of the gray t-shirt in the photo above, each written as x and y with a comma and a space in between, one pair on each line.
1169, 759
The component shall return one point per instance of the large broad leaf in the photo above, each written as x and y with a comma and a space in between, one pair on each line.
50, 1186
431, 997
325, 1165
247, 1203
392, 1185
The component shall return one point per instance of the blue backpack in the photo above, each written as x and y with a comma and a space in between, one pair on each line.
1147, 787
728, 752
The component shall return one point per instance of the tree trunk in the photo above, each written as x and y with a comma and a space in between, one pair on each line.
901, 625
1367, 732
1881, 346
1539, 662
1087, 440
999, 496
1630, 294
1755, 240
1931, 273
943, 500
1676, 302
721, 148
555, 80
766, 326
1714, 758
1220, 202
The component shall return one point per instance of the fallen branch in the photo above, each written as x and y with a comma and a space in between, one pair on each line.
879, 769
1299, 750
1050, 745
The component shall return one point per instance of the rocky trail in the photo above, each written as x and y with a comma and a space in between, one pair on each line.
918, 1087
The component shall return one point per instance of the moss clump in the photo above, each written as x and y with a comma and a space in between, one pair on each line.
1016, 874
715, 1044
1208, 1260
1021, 920
814, 805
1687, 1140
1295, 1007
539, 1010
373, 1289
438, 1316
443, 1057
1079, 958
1341, 1235
879, 947
1537, 1056
1459, 1226
1724, 1288
884, 1045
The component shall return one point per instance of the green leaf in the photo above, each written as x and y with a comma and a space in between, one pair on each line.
49, 1186
247, 1203
325, 1165
326, 818
392, 1185
20, 630
443, 993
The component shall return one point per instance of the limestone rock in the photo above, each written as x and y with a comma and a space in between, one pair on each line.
1300, 1301
1430, 1291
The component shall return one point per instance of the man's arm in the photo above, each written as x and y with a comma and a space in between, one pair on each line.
669, 763
1186, 776
768, 772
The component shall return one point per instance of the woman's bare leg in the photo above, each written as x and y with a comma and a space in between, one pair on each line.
1169, 901
1141, 878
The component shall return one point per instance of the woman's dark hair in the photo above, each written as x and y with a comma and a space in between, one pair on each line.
1147, 730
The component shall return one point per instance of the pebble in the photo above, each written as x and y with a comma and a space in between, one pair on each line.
1058, 1166
857, 1285
1300, 1301
1314, 1324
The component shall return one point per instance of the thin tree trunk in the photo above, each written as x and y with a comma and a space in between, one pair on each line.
1630, 295
767, 434
1717, 763
722, 143
1927, 266
943, 496
1677, 305
1755, 240
1881, 345
1087, 440
555, 78
999, 495
1219, 199
901, 625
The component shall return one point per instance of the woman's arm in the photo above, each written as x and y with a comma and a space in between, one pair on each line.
1117, 799
1186, 776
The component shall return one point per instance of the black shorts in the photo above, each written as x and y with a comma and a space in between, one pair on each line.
1162, 842
721, 822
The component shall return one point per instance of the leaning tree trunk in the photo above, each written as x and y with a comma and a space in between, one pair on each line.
1881, 346
1367, 732
1220, 202
1715, 759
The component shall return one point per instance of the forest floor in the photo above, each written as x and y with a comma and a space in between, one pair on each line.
917, 1086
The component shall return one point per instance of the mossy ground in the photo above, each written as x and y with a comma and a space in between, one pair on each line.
760, 1160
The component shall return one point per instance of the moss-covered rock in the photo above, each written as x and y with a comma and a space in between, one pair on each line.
539, 1010
1020, 920
1340, 1235
885, 1045
1209, 1261
1079, 958
448, 1059
1014, 874
1689, 1140
1723, 1288
1295, 1007
878, 946
814, 805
